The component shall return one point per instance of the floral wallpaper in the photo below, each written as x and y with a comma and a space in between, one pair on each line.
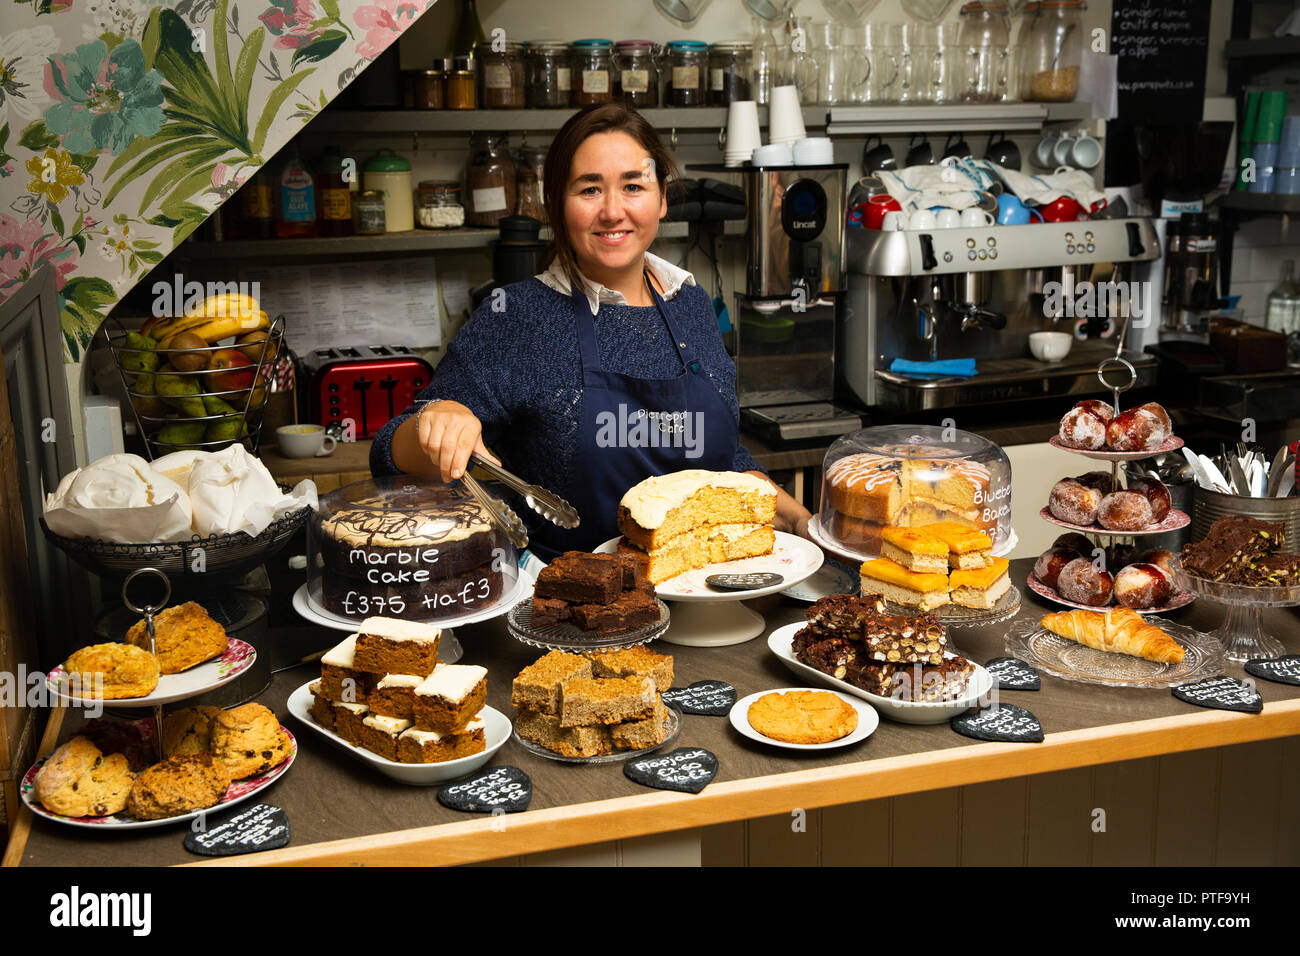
124, 123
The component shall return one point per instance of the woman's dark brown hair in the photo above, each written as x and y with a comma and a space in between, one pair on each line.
602, 118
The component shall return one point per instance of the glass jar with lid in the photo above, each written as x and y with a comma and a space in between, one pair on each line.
730, 64
368, 213
458, 84
391, 174
984, 40
638, 73
593, 71
687, 73
489, 180
428, 86
437, 204
500, 75
529, 177
1052, 52
549, 84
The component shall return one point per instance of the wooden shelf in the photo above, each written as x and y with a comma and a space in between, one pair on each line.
1261, 202
945, 117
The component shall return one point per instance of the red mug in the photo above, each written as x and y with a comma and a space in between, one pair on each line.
1061, 209
877, 206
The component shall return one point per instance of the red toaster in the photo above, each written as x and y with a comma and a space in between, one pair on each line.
369, 384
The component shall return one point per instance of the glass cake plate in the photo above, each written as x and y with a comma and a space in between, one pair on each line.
1242, 634
569, 637
674, 722
955, 615
1172, 443
1069, 660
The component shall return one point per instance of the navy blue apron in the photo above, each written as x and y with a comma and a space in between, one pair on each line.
613, 453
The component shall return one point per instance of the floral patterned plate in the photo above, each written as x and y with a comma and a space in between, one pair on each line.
207, 676
239, 791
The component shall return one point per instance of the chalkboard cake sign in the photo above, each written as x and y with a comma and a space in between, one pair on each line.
1011, 673
688, 769
712, 698
1221, 693
260, 827
743, 582
1001, 721
1280, 670
506, 788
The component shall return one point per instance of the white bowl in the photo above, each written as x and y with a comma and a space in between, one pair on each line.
1050, 346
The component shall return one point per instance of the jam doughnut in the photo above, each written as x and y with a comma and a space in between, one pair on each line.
1159, 558
1049, 564
1159, 412
1142, 586
1081, 583
1137, 429
1084, 426
1075, 542
1101, 480
1124, 511
1073, 502
1155, 492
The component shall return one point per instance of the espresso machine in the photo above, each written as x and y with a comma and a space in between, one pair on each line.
978, 293
1191, 278
785, 318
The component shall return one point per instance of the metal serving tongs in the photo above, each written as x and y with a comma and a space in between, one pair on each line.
546, 503
503, 514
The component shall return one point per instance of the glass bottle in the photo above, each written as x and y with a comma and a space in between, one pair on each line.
296, 198
489, 180
1283, 312
257, 207
333, 194
1052, 52
469, 31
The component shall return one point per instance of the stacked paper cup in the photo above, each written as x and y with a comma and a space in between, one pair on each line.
1288, 157
813, 151
1268, 136
785, 116
742, 131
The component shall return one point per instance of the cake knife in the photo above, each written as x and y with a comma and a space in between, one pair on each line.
546, 503
503, 514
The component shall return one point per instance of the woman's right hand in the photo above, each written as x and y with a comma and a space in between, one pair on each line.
448, 433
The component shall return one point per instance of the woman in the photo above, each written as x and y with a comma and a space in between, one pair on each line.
602, 371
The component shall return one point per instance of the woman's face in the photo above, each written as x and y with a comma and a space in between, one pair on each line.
613, 203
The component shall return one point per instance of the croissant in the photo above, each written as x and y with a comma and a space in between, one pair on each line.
1118, 629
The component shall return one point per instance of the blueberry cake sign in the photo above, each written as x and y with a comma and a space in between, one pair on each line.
1280, 670
1000, 722
506, 789
688, 769
1221, 693
712, 698
261, 827
424, 551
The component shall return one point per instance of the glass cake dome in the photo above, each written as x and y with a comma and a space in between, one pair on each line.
411, 548
910, 475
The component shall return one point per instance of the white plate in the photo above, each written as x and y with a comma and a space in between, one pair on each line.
823, 538
239, 791
902, 711
868, 720
239, 657
495, 733
793, 557
831, 578
523, 588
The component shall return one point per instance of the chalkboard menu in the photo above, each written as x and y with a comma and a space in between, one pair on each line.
688, 769
1161, 48
260, 827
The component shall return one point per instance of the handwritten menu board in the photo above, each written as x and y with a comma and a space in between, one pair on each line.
1161, 47
261, 827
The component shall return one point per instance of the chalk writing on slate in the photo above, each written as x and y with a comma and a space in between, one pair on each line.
1001, 721
507, 788
1280, 670
1011, 673
743, 582
713, 698
1161, 48
688, 769
260, 827
1221, 693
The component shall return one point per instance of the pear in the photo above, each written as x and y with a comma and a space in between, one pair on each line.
179, 391
181, 435
147, 361
228, 429
145, 398
216, 405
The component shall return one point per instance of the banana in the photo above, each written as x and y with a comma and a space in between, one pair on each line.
211, 330
227, 304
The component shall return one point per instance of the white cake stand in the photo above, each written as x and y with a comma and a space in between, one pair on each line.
703, 617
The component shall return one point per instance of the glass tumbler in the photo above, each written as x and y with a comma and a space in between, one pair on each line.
843, 69
882, 55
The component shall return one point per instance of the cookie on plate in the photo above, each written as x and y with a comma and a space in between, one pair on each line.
248, 740
184, 635
79, 781
178, 785
803, 717
188, 730
111, 672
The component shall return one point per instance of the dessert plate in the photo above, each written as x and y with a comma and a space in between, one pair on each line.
1172, 443
495, 733
568, 637
856, 555
868, 720
1179, 598
831, 578
200, 679
1172, 522
674, 722
957, 615
1034, 644
978, 688
239, 791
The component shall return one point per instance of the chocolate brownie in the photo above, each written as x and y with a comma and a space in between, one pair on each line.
913, 682
629, 609
1231, 544
549, 611
830, 655
582, 578
885, 637
1275, 570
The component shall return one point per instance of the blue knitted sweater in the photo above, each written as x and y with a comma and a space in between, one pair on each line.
520, 372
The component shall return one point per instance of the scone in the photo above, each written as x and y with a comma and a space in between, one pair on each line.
119, 737
184, 635
188, 730
248, 740
178, 785
126, 671
79, 781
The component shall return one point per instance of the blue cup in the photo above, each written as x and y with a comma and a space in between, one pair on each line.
1265, 177
1287, 181
1012, 212
1265, 154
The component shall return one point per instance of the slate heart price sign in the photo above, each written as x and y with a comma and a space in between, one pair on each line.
1011, 673
688, 769
743, 582
1221, 693
500, 788
712, 698
260, 827
1280, 670
1002, 722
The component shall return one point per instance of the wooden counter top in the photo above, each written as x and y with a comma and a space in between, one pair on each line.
342, 812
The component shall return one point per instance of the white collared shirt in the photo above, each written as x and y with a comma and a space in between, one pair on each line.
670, 278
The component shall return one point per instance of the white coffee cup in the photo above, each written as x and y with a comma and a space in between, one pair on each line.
1061, 150
1085, 153
1050, 346
974, 217
1044, 151
894, 221
922, 219
304, 441
947, 219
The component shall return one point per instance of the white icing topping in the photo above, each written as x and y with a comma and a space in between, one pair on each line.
650, 501
399, 680
392, 629
341, 655
452, 681
355, 708
314, 687
389, 725
432, 736
867, 472
733, 532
